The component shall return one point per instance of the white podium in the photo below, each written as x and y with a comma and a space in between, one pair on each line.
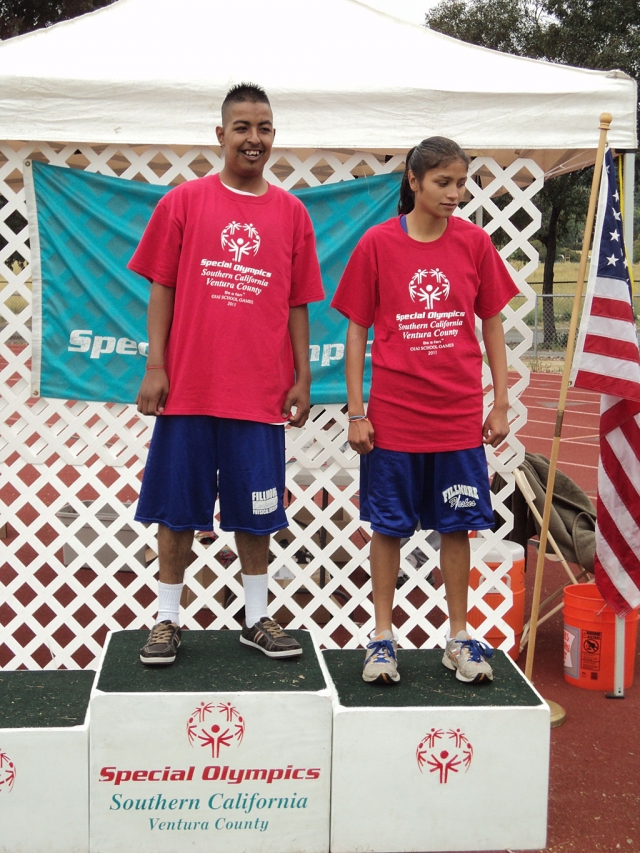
432, 764
44, 760
225, 750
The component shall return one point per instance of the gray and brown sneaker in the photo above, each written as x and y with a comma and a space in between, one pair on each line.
469, 658
269, 637
381, 662
162, 646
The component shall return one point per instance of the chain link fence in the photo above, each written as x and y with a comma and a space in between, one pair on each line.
550, 318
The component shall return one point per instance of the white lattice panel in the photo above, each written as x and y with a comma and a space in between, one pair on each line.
70, 471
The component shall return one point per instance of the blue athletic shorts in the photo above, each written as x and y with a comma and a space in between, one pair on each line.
193, 458
446, 491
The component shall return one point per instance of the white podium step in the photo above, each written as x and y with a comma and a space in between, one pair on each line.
432, 764
225, 750
44, 759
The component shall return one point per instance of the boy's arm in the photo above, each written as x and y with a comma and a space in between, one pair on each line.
496, 427
360, 432
300, 392
155, 385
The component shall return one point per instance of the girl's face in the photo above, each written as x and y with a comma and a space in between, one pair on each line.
441, 189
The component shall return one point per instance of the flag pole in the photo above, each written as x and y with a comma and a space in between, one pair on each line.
605, 124
618, 660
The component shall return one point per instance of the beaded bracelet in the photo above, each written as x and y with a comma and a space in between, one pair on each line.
154, 367
357, 418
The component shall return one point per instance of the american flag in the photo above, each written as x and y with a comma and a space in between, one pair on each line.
607, 360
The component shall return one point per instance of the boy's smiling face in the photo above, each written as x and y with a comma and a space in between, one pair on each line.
246, 138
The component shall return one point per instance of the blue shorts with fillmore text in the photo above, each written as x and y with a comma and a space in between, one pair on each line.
446, 491
195, 458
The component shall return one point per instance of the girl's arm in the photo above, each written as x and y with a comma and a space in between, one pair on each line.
299, 394
155, 385
496, 427
360, 432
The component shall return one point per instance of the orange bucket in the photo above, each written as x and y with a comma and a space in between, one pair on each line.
590, 639
515, 581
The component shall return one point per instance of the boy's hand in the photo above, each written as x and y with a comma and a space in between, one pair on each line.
299, 396
361, 436
496, 427
153, 392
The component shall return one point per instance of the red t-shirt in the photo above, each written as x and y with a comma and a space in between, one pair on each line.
422, 298
238, 263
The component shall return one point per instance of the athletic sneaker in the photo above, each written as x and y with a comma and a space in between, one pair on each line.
381, 662
469, 658
162, 646
269, 637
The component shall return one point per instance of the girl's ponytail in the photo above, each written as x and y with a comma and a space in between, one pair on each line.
407, 198
429, 154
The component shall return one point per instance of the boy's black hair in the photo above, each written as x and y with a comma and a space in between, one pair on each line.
429, 154
244, 93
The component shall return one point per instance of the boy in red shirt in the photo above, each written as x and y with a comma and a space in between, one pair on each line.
233, 264
420, 279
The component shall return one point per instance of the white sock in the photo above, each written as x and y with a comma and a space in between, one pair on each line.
169, 602
255, 597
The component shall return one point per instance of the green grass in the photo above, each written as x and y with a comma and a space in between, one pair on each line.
567, 271
15, 302
565, 281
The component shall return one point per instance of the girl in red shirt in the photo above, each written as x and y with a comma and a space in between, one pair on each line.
421, 279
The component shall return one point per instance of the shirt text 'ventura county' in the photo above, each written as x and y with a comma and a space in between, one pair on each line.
238, 263
422, 300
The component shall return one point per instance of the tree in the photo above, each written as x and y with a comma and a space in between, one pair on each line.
22, 16
584, 33
561, 200
593, 34
510, 26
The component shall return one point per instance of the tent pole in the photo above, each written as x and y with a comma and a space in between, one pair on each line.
605, 123
628, 180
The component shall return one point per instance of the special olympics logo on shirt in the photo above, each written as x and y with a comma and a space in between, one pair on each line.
223, 733
444, 753
241, 239
429, 286
7, 772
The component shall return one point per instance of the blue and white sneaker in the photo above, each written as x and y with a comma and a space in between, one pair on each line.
469, 658
381, 662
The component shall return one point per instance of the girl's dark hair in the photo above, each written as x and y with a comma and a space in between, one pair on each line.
429, 154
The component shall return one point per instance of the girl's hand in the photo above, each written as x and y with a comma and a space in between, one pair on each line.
361, 436
496, 427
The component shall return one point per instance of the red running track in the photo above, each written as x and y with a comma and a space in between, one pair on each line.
578, 456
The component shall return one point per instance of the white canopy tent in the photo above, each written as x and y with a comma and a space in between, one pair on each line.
340, 75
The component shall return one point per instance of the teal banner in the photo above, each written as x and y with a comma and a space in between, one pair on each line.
89, 325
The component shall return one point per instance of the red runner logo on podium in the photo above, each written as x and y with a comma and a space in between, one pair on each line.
7, 772
444, 753
206, 728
